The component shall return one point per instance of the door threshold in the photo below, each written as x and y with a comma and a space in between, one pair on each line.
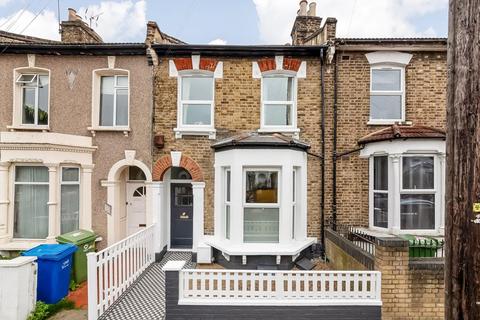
180, 250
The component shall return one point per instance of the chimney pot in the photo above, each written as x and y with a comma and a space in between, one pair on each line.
72, 15
303, 8
312, 9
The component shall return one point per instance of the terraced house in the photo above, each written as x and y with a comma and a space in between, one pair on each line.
250, 157
75, 136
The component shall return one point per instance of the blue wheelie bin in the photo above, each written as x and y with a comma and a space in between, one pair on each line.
54, 269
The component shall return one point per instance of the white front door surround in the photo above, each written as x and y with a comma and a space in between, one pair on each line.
114, 198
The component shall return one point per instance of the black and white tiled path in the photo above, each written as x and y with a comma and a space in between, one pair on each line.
145, 299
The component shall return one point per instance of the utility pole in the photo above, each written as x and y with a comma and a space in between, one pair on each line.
462, 262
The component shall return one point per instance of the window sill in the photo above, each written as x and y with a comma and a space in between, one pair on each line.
386, 122
21, 245
125, 130
28, 128
293, 131
180, 132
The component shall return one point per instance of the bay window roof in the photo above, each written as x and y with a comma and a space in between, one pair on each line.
256, 140
397, 131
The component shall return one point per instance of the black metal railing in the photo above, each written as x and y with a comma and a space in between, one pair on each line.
361, 239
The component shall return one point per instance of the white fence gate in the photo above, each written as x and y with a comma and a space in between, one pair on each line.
112, 270
255, 287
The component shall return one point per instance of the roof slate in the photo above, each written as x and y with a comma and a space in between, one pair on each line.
402, 132
254, 139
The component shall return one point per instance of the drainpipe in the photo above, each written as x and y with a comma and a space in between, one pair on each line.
334, 155
322, 169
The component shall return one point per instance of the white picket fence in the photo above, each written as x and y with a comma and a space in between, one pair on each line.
255, 287
112, 270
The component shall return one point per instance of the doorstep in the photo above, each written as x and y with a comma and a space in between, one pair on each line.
259, 249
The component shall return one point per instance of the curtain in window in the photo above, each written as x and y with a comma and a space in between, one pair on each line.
30, 207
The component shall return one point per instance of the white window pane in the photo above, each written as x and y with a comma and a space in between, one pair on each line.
27, 78
380, 173
106, 101
122, 81
278, 115
385, 107
227, 221
197, 88
261, 187
43, 100
70, 174
260, 225
228, 185
386, 80
122, 107
418, 173
380, 210
197, 114
70, 207
31, 174
277, 88
417, 211
28, 108
31, 211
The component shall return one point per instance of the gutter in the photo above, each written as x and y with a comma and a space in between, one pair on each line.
237, 50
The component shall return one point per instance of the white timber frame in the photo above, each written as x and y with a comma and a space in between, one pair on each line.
395, 150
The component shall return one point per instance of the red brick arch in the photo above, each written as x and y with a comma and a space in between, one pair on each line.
165, 163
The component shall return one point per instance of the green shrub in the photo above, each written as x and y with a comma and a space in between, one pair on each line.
44, 311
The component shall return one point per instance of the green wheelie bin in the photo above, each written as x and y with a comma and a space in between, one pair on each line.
85, 241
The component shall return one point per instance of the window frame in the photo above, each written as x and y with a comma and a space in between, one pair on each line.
433, 191
401, 93
374, 191
277, 205
180, 103
227, 202
17, 117
62, 183
13, 193
116, 87
97, 75
276, 128
395, 191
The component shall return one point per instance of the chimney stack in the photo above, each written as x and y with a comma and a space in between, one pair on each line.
306, 23
312, 9
303, 8
75, 30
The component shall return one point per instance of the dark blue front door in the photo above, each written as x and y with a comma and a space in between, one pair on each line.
181, 220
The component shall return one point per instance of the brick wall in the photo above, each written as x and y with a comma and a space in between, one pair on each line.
408, 291
425, 105
237, 109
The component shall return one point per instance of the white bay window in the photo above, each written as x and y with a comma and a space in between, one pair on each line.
70, 200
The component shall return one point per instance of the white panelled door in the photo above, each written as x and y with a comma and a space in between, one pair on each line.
136, 206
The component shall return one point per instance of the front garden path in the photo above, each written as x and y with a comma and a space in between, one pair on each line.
145, 299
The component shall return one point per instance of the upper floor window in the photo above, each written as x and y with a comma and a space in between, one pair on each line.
111, 100
32, 99
114, 101
278, 102
387, 94
196, 108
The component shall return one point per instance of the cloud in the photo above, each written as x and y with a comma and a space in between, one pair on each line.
44, 26
118, 21
356, 18
218, 41
4, 2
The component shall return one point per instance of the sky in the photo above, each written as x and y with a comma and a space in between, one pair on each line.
227, 21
